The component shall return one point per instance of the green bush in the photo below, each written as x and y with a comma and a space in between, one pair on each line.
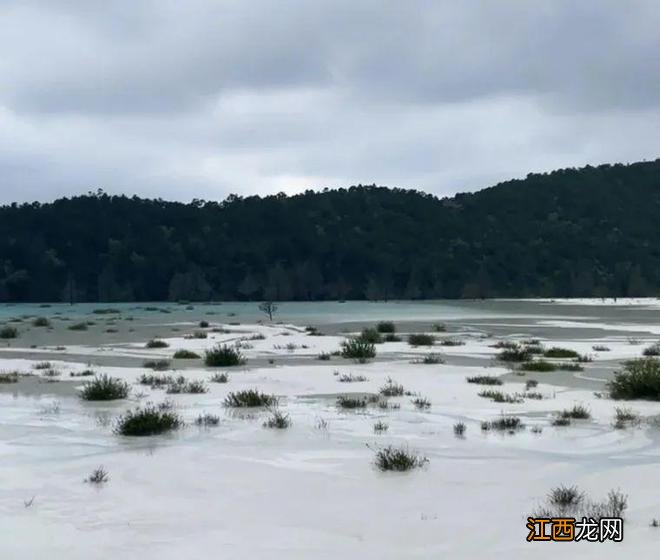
517, 354
371, 336
350, 401
391, 338
357, 349
41, 322
539, 365
148, 421
8, 332
503, 424
155, 343
578, 412
639, 379
104, 388
249, 398
391, 389
484, 380
421, 339
556, 352
398, 459
223, 356
386, 327
185, 355
158, 365
78, 327
653, 350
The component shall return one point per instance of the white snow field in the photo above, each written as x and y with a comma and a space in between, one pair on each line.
239, 490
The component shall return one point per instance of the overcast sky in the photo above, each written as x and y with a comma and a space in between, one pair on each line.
202, 98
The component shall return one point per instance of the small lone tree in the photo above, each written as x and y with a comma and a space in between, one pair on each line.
268, 307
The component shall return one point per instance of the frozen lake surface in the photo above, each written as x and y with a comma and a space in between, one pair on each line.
239, 490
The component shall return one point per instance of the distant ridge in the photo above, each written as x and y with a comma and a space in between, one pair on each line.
584, 232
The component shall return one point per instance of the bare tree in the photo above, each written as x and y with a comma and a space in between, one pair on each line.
268, 307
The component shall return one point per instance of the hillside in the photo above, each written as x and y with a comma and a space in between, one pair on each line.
574, 232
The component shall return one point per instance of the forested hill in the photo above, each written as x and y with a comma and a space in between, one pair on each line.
575, 232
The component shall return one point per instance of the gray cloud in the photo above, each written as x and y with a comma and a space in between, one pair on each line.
202, 98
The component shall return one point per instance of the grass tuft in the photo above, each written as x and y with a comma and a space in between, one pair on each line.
639, 379
104, 388
185, 355
358, 349
350, 401
148, 421
391, 389
223, 356
398, 459
98, 476
249, 398
421, 339
484, 380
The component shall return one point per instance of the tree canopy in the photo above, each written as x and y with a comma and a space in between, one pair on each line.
593, 231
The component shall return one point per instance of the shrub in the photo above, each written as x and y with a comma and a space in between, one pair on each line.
223, 356
565, 497
104, 388
530, 384
422, 403
43, 365
625, 417
398, 459
500, 397
185, 355
503, 424
41, 322
207, 420
533, 395
391, 389
534, 349
8, 377
249, 398
421, 339
380, 427
350, 378
324, 356
98, 476
78, 327
429, 359
459, 429
556, 352
348, 401
155, 343
391, 338
182, 385
600, 348
438, 327
371, 335
148, 421
578, 412
357, 349
516, 354
570, 367
451, 342
203, 324
220, 378
277, 420
386, 327
198, 335
7, 332
505, 344
106, 311
570, 501
484, 380
540, 365
639, 379
155, 381
158, 365
561, 421
653, 350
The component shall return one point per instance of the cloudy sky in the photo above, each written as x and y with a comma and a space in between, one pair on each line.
202, 98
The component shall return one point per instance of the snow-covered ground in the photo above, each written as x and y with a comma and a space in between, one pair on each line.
241, 491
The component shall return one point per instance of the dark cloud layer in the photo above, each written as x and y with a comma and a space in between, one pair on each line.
202, 98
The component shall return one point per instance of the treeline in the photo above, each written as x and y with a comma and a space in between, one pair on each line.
576, 232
